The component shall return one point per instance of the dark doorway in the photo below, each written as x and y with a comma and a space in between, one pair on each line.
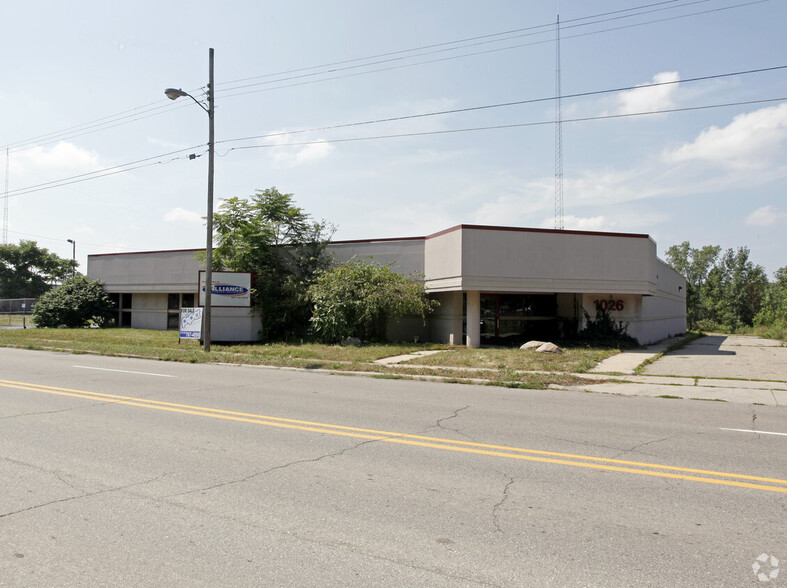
510, 319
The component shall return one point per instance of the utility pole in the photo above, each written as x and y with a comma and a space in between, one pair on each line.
558, 137
5, 196
209, 244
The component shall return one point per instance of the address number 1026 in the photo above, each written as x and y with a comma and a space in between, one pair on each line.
605, 305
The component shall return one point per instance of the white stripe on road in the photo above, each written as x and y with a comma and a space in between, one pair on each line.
752, 431
84, 367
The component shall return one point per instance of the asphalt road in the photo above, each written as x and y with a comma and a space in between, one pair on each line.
119, 472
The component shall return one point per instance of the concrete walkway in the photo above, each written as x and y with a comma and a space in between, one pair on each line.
407, 357
627, 361
728, 368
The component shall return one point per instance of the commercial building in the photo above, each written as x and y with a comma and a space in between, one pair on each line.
494, 284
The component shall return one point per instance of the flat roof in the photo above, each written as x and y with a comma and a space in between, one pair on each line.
433, 235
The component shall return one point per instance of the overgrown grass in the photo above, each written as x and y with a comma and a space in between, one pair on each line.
502, 367
165, 345
776, 331
573, 360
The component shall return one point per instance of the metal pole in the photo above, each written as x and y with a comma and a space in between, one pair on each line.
73, 257
209, 244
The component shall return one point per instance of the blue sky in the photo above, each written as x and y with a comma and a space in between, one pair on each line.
82, 91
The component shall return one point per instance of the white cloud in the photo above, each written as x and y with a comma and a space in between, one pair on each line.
650, 99
628, 220
290, 156
594, 223
766, 216
751, 141
166, 144
177, 215
62, 157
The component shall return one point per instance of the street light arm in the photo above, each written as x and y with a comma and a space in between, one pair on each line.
174, 94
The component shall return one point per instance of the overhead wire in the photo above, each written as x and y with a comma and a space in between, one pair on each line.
155, 109
462, 56
61, 240
100, 174
507, 104
109, 171
544, 29
432, 46
513, 125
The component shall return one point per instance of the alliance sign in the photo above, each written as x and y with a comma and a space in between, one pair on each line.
229, 289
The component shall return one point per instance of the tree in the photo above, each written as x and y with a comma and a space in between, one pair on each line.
78, 302
27, 270
268, 235
774, 304
357, 298
735, 289
694, 265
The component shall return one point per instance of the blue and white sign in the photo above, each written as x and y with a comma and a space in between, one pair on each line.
191, 323
229, 289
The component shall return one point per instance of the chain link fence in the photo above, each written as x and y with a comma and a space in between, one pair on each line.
15, 312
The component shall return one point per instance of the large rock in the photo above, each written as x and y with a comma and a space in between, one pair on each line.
549, 348
351, 342
532, 345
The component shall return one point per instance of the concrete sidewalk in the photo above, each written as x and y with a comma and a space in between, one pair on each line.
729, 368
736, 391
627, 361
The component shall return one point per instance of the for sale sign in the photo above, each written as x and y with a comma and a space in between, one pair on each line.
191, 323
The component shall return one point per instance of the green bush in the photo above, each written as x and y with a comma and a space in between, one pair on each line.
78, 302
605, 331
357, 298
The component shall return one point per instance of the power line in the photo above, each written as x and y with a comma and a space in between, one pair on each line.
61, 240
146, 162
109, 171
455, 57
542, 29
113, 170
513, 125
443, 44
155, 109
507, 104
32, 189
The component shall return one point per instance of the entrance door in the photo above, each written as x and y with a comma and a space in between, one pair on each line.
490, 316
510, 318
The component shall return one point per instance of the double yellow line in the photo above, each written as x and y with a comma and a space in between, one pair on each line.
567, 459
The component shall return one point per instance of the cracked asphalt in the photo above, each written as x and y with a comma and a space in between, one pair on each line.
231, 476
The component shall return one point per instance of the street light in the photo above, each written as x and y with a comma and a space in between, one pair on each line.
73, 256
174, 94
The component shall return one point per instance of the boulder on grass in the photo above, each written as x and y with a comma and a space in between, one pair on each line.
549, 348
351, 342
532, 345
